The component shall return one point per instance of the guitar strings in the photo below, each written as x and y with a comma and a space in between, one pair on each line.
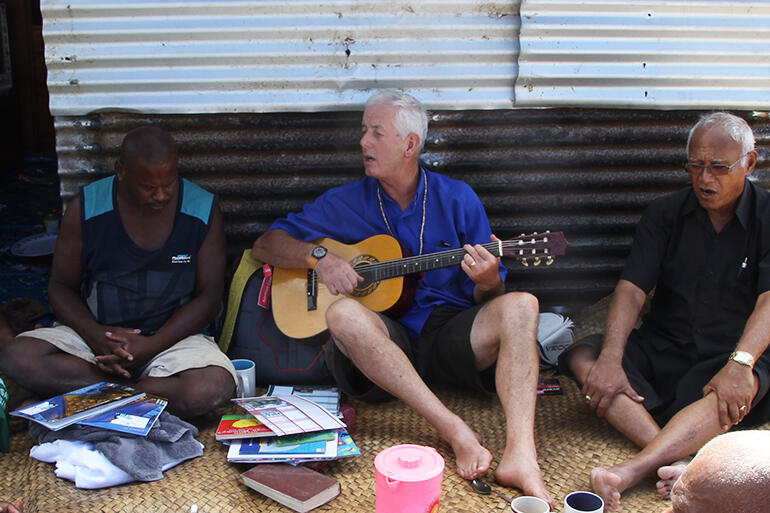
382, 267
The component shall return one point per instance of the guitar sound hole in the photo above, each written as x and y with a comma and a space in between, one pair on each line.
361, 264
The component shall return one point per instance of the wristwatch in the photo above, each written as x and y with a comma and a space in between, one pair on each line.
318, 253
743, 358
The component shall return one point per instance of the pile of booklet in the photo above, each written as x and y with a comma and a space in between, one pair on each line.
102, 405
289, 424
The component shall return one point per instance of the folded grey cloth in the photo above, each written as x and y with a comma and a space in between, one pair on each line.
170, 439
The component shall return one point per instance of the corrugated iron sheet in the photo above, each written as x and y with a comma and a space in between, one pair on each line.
588, 173
203, 56
651, 54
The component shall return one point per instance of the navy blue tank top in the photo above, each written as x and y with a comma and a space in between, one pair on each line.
125, 285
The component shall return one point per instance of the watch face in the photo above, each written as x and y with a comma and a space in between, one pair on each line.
742, 358
319, 252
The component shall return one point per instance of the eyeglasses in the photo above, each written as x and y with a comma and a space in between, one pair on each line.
715, 169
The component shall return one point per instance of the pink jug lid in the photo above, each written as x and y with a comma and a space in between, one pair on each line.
412, 463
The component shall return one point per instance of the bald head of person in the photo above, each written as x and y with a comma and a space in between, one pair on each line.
730, 473
147, 170
148, 144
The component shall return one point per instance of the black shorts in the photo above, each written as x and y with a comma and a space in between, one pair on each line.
442, 355
670, 376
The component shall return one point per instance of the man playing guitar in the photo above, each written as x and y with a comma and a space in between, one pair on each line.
462, 329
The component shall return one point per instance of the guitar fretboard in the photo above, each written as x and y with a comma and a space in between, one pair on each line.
417, 264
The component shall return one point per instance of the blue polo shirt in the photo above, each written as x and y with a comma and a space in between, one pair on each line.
454, 216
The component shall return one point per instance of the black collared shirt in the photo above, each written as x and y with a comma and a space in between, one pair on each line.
706, 283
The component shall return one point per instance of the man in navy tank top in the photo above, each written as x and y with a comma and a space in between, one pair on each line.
137, 273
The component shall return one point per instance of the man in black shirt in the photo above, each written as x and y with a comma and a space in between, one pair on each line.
699, 363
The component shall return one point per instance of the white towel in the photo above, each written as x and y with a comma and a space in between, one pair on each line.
82, 464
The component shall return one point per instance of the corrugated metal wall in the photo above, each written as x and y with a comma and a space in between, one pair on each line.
200, 56
586, 172
649, 55
261, 95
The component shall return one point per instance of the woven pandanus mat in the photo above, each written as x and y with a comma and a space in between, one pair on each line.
571, 441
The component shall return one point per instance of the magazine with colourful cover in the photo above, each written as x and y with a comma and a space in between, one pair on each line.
346, 448
241, 426
290, 414
320, 445
66, 409
135, 417
326, 396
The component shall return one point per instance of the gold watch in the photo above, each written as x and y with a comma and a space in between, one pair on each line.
743, 358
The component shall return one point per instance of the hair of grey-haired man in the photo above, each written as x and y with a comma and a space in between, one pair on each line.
411, 115
738, 129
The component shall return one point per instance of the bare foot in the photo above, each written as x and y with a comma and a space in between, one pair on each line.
608, 485
520, 470
669, 474
473, 460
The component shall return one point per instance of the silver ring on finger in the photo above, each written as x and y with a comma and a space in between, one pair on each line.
588, 398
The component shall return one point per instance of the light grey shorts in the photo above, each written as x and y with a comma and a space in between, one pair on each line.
193, 352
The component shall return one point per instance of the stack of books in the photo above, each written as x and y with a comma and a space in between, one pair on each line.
102, 405
287, 425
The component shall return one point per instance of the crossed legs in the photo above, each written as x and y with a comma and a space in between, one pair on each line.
43, 369
504, 332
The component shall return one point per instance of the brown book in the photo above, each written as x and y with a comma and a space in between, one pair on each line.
298, 488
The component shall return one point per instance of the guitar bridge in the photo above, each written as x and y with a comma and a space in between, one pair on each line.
312, 290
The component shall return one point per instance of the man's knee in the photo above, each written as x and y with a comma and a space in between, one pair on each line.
580, 360
22, 356
342, 312
202, 390
347, 319
521, 304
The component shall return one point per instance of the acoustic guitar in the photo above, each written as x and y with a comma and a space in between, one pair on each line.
300, 300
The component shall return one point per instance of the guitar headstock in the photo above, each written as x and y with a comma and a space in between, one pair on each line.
535, 247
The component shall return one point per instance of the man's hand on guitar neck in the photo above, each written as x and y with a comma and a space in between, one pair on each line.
482, 267
337, 274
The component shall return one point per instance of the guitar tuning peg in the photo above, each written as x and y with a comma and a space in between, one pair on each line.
537, 261
549, 260
524, 262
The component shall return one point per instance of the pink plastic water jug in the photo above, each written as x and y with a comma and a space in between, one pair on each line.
408, 479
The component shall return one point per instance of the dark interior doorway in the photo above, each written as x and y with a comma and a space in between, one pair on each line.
26, 130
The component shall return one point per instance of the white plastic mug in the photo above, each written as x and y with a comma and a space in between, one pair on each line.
245, 371
583, 502
529, 504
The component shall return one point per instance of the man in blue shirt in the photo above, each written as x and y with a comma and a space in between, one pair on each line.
463, 328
